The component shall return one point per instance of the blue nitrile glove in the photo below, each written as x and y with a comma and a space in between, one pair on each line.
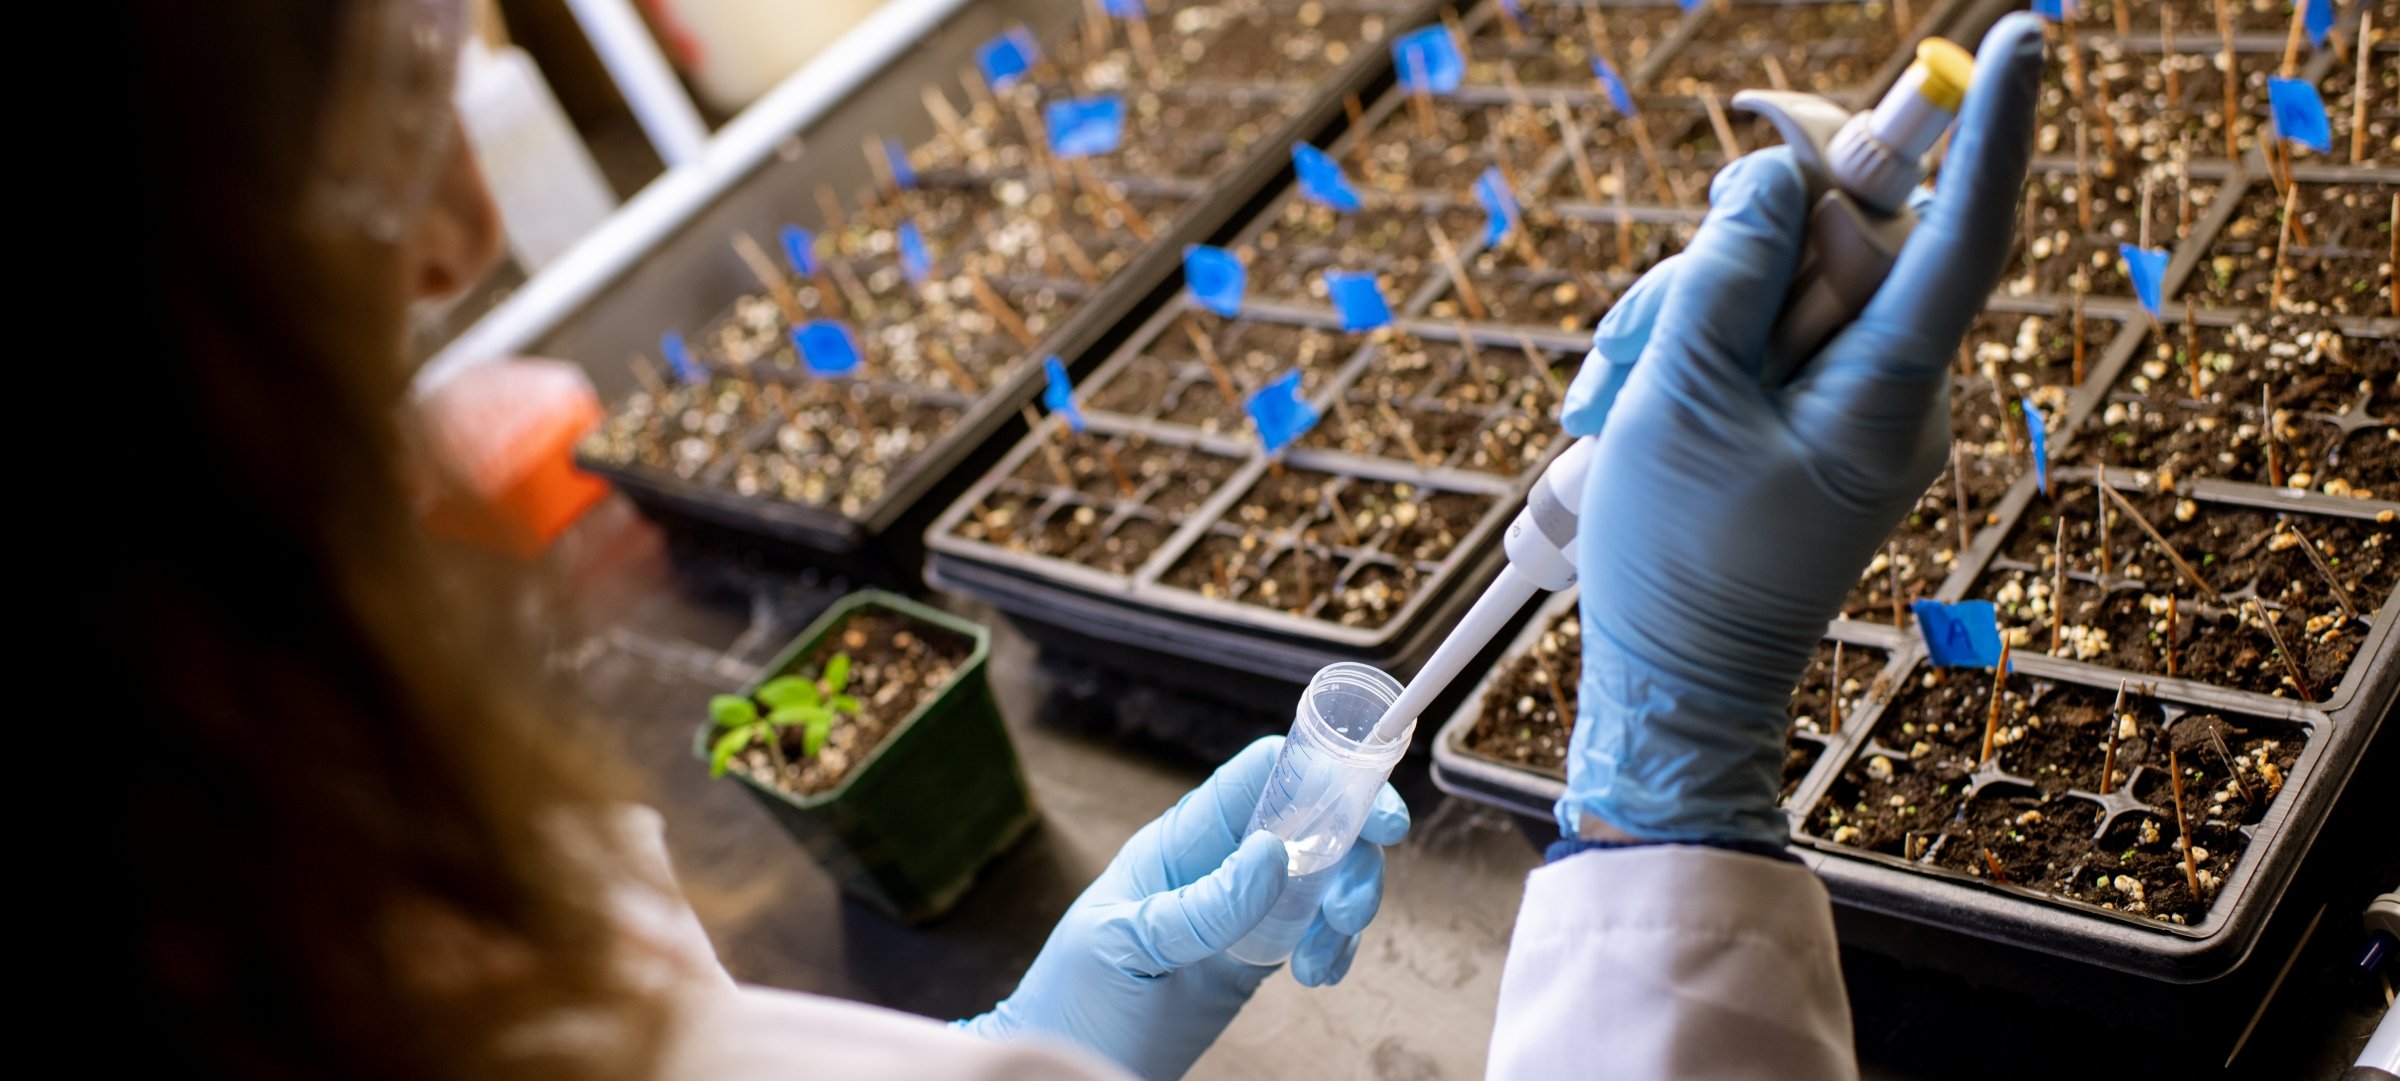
1724, 520
1136, 969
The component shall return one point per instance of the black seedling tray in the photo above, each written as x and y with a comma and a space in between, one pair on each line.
2000, 560
930, 433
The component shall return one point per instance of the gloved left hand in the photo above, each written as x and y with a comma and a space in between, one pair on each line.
1137, 969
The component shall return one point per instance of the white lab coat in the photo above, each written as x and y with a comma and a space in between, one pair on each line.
1659, 962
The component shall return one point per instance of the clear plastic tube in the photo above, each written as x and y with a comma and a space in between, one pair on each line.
1318, 797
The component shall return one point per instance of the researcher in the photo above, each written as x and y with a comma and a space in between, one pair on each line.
361, 837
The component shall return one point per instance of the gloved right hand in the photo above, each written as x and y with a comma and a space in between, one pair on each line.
1724, 520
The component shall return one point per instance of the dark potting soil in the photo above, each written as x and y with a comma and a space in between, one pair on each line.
1555, 46
1821, 48
816, 454
2237, 550
1289, 44
2196, 19
1487, 410
1283, 546
2336, 399
2340, 268
1906, 795
1925, 546
896, 664
2064, 251
1401, 155
1577, 269
1522, 722
1289, 260
680, 433
1170, 381
1098, 523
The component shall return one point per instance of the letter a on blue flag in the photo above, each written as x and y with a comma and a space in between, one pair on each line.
1962, 635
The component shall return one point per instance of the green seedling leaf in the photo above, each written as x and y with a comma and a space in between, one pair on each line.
732, 711
795, 715
843, 703
784, 691
812, 738
837, 673
727, 745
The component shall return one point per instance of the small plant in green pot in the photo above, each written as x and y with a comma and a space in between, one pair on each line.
874, 739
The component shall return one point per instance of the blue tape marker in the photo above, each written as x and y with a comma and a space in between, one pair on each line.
1216, 279
1358, 299
1688, 5
913, 261
1127, 9
2318, 21
1058, 395
679, 358
1005, 59
2053, 10
1618, 96
1321, 179
826, 347
904, 175
1280, 414
1499, 204
1962, 635
2038, 434
2148, 269
1428, 60
2299, 114
1083, 127
800, 248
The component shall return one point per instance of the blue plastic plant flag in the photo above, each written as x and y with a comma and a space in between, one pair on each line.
1082, 127
1358, 299
1321, 179
1216, 279
913, 260
2318, 21
1491, 190
2148, 269
1005, 59
800, 247
2038, 434
1962, 635
2299, 114
1058, 395
826, 347
1618, 96
2053, 10
1428, 61
904, 175
1127, 9
1280, 414
679, 358
1688, 5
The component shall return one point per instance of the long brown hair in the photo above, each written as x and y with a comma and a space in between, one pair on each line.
338, 807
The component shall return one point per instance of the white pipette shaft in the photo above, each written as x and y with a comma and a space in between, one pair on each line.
1480, 625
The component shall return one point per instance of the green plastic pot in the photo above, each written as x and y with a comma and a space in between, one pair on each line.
908, 829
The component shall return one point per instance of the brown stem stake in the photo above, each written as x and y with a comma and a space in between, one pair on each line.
2124, 17
957, 373
1109, 457
2173, 620
2231, 62
756, 259
1658, 171
1958, 496
2291, 41
1730, 143
2182, 566
1137, 30
946, 118
2283, 239
2083, 174
830, 205
1558, 694
995, 306
1540, 362
646, 374
1991, 863
2100, 491
1891, 567
2317, 559
2395, 255
2233, 768
2266, 435
2191, 871
1625, 257
2108, 759
2191, 348
1107, 194
1572, 133
1420, 100
2166, 45
1049, 448
2077, 319
2358, 91
2058, 588
2183, 189
1403, 429
857, 299
1458, 272
1776, 79
1216, 367
1077, 259
1342, 518
1833, 694
2291, 664
1991, 721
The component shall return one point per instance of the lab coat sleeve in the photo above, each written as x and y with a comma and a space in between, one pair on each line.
1672, 961
724, 1031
